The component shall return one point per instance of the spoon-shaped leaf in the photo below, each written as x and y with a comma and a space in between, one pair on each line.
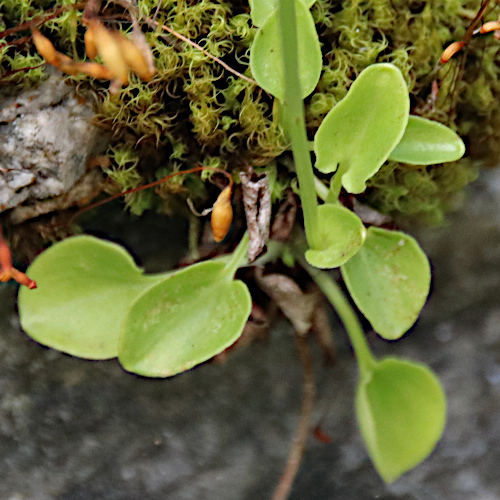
341, 235
266, 55
426, 142
260, 10
401, 410
184, 320
389, 280
85, 286
359, 133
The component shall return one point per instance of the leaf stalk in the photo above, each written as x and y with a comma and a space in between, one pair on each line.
294, 118
347, 316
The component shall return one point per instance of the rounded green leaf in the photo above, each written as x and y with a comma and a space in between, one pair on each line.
341, 234
184, 320
260, 10
426, 142
85, 286
266, 54
359, 133
389, 280
401, 410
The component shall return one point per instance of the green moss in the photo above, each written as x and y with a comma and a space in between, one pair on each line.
195, 112
412, 35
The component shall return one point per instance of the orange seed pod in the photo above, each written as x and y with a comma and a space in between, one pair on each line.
489, 26
451, 50
134, 57
109, 50
45, 48
222, 215
90, 46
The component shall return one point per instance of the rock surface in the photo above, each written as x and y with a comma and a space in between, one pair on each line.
39, 156
77, 430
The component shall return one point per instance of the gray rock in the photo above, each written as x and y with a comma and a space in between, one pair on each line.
79, 430
46, 138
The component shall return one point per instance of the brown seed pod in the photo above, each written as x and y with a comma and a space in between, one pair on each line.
109, 50
489, 26
45, 48
134, 57
222, 215
451, 50
90, 46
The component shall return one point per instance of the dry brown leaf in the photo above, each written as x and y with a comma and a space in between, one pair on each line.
298, 306
257, 203
284, 219
368, 214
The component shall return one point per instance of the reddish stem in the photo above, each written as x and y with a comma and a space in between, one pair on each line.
153, 184
37, 21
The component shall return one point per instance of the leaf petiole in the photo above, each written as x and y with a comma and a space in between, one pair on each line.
237, 258
347, 316
295, 121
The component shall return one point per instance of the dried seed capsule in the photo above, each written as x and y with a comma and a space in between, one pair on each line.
222, 215
109, 50
45, 48
451, 50
489, 26
90, 46
134, 57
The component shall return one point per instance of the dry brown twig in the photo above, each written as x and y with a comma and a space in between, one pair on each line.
155, 24
284, 486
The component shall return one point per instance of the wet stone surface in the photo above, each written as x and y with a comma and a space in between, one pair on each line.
77, 430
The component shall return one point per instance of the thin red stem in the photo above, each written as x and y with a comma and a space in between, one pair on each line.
42, 19
284, 487
153, 184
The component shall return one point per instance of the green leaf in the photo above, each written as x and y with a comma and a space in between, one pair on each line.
85, 287
266, 55
401, 410
184, 320
426, 142
389, 280
260, 10
359, 133
341, 233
